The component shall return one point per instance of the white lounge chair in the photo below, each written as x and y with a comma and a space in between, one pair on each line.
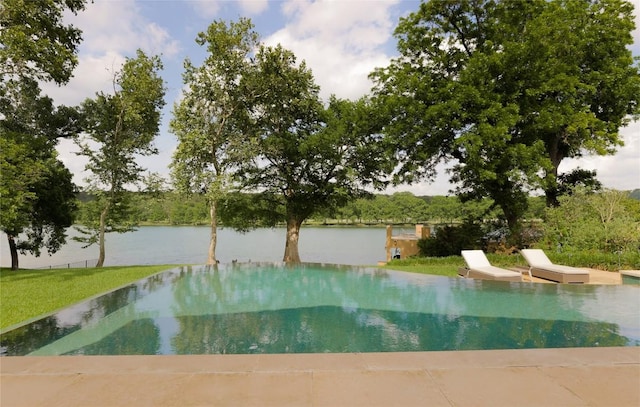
478, 266
540, 266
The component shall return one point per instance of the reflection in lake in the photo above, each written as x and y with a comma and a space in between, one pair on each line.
315, 308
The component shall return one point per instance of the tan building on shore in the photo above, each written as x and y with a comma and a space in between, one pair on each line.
405, 245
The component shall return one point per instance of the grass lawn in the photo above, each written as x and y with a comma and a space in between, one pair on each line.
448, 266
441, 266
25, 294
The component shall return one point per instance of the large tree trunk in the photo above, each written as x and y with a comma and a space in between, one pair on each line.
14, 252
512, 214
103, 225
556, 156
291, 254
211, 259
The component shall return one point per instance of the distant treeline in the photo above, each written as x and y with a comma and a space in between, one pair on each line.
170, 208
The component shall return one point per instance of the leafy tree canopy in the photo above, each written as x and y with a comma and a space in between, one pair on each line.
119, 127
36, 190
312, 157
507, 90
208, 119
35, 42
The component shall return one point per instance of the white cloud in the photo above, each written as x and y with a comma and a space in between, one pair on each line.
342, 42
122, 29
206, 8
67, 150
620, 171
111, 31
212, 8
254, 6
93, 74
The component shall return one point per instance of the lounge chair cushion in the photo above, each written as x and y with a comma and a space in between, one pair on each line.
541, 266
495, 271
538, 259
559, 268
475, 259
478, 263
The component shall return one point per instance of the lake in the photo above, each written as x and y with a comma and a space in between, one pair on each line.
188, 245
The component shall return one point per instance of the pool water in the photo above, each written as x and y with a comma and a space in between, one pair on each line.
243, 309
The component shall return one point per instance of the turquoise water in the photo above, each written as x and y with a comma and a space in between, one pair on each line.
316, 308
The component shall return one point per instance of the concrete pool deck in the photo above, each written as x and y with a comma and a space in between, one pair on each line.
532, 377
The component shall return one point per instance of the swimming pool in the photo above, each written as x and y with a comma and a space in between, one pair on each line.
275, 308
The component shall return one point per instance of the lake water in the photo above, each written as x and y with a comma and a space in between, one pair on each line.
188, 245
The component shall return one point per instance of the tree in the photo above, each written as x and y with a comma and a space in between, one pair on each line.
507, 90
36, 192
38, 197
311, 157
35, 42
119, 127
577, 178
208, 118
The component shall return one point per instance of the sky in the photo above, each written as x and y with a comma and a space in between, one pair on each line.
342, 41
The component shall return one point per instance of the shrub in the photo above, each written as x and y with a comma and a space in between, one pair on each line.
593, 222
450, 240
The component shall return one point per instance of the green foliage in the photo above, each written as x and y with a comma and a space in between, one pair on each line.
244, 211
608, 221
578, 178
450, 240
30, 293
315, 158
121, 217
209, 119
118, 128
507, 90
36, 193
38, 197
35, 42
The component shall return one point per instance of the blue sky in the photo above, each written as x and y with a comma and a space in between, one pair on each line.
342, 41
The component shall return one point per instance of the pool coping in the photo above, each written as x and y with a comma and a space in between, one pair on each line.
567, 376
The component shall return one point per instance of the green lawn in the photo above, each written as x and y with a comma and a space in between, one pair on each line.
441, 266
25, 294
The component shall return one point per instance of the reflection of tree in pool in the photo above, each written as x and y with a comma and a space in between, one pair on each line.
24, 340
334, 329
344, 321
140, 337
31, 337
502, 333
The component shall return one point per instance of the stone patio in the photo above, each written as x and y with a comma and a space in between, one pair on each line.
534, 377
